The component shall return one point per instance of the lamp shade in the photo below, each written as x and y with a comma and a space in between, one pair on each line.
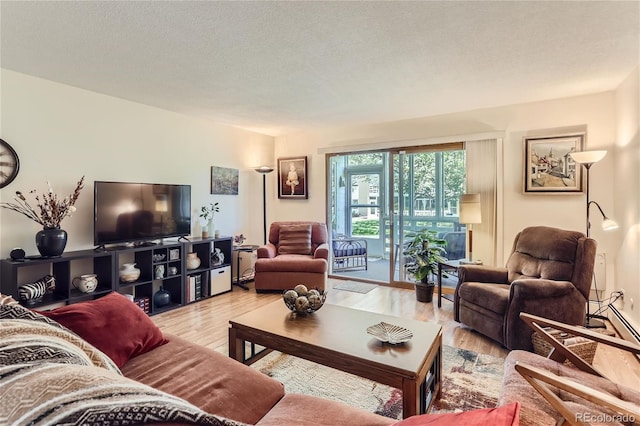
264, 169
470, 208
588, 157
609, 224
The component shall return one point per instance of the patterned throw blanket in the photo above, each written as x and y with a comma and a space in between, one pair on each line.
50, 376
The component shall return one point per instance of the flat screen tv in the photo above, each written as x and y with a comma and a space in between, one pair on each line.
134, 212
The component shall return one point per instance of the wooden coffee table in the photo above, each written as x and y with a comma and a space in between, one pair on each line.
336, 336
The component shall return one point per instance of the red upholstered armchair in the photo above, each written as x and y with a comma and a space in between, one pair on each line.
297, 253
548, 274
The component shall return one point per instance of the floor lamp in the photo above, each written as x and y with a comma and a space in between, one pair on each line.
587, 159
470, 213
264, 170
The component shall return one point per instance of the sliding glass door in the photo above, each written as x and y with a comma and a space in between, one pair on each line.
376, 198
426, 187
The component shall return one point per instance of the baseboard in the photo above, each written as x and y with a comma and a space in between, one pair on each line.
624, 328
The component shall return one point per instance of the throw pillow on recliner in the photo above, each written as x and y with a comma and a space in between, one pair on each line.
295, 239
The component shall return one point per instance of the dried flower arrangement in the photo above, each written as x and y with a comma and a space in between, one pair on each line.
50, 209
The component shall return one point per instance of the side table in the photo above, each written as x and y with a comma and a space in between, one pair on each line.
241, 276
452, 266
447, 265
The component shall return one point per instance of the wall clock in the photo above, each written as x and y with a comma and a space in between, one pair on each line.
9, 164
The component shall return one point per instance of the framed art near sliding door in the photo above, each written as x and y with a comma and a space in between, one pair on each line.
292, 178
548, 166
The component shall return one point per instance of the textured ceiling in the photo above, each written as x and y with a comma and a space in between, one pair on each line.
277, 67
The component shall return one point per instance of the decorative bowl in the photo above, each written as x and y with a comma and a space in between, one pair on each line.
129, 273
303, 301
390, 333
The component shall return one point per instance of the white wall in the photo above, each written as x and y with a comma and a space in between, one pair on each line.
595, 112
626, 189
61, 133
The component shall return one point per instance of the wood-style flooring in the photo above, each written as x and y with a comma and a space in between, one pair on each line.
206, 322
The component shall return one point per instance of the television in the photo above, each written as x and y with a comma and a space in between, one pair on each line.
126, 212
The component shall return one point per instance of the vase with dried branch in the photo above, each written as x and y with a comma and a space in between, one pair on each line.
49, 210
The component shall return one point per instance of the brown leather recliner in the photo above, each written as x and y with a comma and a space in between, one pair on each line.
548, 274
293, 256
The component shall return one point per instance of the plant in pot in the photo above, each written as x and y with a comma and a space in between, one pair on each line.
424, 251
206, 213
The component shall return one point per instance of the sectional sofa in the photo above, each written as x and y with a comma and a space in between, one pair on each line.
117, 368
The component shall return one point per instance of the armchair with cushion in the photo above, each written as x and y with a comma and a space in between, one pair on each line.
297, 253
548, 274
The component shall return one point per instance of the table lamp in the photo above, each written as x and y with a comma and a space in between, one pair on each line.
470, 213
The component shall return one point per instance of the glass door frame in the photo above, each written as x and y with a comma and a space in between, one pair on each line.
367, 171
391, 220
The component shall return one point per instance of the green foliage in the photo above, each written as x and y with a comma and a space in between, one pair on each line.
425, 250
455, 174
364, 159
207, 212
366, 227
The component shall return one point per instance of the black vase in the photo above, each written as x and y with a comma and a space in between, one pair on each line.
51, 241
161, 298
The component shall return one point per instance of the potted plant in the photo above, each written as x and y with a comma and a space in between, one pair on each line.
424, 250
206, 213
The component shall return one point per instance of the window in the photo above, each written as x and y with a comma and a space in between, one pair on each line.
426, 186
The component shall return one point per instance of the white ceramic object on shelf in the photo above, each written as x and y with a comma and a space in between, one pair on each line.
390, 333
159, 272
129, 273
86, 283
217, 257
193, 261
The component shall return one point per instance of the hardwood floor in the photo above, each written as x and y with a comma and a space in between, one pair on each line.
207, 323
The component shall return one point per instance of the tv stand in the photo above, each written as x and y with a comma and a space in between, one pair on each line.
161, 265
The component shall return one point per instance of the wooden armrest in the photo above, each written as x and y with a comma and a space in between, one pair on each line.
561, 352
581, 331
540, 379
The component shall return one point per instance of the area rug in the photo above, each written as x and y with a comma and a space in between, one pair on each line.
470, 380
354, 286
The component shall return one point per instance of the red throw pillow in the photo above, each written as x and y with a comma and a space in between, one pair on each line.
113, 324
506, 415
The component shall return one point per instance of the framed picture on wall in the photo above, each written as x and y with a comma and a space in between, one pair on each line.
224, 181
292, 178
548, 166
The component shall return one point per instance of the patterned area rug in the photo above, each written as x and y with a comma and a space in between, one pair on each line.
354, 286
470, 381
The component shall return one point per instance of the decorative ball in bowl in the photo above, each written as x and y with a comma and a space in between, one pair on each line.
302, 300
